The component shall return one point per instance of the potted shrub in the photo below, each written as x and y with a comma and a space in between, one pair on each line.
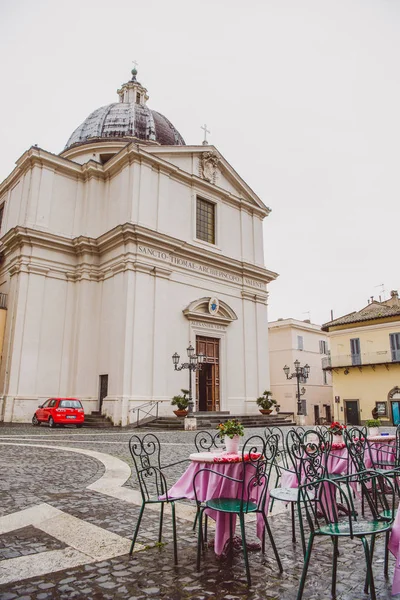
373, 426
232, 430
266, 403
336, 429
181, 402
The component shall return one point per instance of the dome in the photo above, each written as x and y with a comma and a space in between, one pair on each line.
129, 119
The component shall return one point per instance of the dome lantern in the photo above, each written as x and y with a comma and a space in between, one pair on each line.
133, 91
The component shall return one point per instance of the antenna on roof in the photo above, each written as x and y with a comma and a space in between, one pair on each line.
382, 294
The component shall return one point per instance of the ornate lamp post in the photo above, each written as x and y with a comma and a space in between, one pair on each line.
194, 364
299, 373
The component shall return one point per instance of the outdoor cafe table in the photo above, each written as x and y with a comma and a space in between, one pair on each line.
338, 458
210, 486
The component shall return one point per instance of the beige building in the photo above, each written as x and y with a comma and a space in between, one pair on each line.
291, 340
365, 362
119, 252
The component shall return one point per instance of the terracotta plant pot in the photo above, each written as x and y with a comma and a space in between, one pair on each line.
181, 413
265, 411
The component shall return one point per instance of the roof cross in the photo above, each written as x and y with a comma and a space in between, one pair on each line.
135, 62
204, 128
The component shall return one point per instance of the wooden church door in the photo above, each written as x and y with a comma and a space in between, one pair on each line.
208, 378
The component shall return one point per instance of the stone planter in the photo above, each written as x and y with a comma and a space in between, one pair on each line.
337, 439
232, 444
181, 413
372, 431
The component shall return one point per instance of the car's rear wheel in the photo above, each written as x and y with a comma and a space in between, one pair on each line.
51, 422
79, 426
35, 420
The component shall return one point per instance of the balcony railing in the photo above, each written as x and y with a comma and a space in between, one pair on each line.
368, 358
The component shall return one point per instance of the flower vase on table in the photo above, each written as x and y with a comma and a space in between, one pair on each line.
231, 431
232, 444
336, 430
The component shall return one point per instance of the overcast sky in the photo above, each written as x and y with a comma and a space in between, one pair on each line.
302, 97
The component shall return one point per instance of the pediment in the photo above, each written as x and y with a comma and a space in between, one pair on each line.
210, 309
208, 164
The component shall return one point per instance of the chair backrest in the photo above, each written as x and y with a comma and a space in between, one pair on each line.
146, 454
308, 452
321, 501
206, 441
258, 456
355, 439
281, 457
321, 429
397, 453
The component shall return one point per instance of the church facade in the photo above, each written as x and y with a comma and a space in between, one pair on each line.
119, 252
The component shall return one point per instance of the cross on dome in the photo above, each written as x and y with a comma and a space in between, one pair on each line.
134, 70
204, 128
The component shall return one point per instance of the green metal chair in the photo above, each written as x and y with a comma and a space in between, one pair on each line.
251, 497
306, 456
359, 450
378, 491
206, 442
281, 460
146, 454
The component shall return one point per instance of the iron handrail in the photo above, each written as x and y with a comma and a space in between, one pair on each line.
152, 404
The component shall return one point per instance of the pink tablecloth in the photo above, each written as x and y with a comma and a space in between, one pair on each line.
209, 486
337, 465
338, 459
394, 547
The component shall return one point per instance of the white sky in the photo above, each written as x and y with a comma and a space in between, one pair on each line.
302, 98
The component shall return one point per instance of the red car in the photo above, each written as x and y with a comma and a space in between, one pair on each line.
60, 411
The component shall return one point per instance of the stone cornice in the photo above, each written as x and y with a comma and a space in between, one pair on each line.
179, 249
142, 249
36, 157
19, 236
135, 153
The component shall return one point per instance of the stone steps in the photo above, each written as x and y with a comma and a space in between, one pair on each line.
210, 421
98, 421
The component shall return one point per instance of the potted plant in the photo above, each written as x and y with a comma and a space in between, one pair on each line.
232, 430
182, 403
373, 426
266, 403
336, 429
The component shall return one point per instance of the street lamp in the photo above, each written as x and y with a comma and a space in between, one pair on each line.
194, 364
299, 373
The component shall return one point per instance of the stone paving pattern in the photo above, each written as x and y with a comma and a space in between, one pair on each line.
60, 478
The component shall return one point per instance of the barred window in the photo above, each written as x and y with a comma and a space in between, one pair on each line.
205, 221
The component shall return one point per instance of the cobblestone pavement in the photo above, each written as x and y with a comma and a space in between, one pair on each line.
60, 479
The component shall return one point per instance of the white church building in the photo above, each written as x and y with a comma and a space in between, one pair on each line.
118, 252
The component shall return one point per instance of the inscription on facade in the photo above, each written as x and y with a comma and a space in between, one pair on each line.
205, 325
254, 283
195, 266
